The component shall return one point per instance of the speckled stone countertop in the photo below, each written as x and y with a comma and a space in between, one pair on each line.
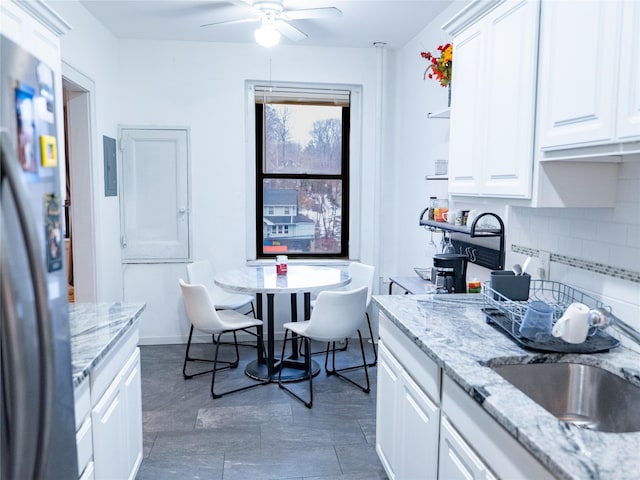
451, 330
95, 329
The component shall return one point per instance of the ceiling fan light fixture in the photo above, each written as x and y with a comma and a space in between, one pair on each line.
267, 35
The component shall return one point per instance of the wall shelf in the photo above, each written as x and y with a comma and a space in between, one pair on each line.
446, 113
486, 257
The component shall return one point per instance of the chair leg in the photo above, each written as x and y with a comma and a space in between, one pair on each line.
216, 361
307, 366
188, 358
373, 343
336, 372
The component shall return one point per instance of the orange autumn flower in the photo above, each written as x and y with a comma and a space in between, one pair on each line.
439, 66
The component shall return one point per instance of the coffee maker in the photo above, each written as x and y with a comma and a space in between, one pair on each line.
451, 272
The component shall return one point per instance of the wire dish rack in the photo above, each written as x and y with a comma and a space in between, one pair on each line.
507, 316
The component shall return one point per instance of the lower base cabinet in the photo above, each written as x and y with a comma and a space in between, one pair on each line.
108, 408
117, 425
407, 420
427, 427
457, 459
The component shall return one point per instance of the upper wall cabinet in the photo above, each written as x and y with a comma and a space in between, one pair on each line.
589, 86
493, 98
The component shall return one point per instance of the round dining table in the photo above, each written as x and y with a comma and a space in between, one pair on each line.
259, 280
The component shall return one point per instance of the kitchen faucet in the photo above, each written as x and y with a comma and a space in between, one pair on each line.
601, 318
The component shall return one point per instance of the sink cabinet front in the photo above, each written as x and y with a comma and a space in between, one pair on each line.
408, 415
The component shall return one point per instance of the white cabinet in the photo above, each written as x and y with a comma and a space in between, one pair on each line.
628, 121
389, 371
493, 98
407, 415
117, 425
474, 442
84, 443
418, 425
589, 84
457, 459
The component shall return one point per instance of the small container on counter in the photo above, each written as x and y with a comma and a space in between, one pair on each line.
474, 286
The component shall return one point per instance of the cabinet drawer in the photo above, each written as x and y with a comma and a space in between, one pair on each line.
84, 444
424, 371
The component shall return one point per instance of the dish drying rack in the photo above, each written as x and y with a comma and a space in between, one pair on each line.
507, 315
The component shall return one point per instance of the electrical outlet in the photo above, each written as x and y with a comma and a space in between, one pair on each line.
544, 265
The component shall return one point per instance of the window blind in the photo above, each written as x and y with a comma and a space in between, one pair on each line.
318, 96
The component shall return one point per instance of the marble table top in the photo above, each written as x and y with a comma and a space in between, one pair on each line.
95, 328
299, 278
451, 330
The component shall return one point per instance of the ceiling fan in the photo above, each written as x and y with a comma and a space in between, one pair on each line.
275, 20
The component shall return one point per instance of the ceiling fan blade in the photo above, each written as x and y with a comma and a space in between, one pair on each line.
231, 22
289, 31
329, 12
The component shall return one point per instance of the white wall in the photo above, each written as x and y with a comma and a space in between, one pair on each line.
609, 236
92, 50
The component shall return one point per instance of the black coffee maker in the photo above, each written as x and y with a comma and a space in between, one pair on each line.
451, 272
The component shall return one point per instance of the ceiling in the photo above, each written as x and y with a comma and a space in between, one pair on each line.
363, 22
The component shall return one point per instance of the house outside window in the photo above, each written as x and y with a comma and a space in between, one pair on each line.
302, 172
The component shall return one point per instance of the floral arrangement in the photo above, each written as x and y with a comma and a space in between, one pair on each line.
440, 66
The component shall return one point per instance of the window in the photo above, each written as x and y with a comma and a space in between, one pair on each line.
302, 172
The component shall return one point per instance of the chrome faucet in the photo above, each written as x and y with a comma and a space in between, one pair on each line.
601, 318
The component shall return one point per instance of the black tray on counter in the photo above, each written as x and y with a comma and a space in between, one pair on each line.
596, 343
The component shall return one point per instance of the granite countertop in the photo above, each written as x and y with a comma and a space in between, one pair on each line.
451, 330
95, 328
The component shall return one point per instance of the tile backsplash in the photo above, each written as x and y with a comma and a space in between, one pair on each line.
593, 249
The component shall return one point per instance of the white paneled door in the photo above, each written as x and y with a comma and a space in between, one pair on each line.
154, 211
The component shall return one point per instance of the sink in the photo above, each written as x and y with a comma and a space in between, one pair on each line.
587, 396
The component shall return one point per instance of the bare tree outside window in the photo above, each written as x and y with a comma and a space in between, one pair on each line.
302, 179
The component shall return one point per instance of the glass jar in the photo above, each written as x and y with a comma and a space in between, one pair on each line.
442, 206
432, 207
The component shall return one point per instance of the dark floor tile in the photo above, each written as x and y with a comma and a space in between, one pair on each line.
358, 458
217, 416
193, 467
277, 463
205, 442
261, 433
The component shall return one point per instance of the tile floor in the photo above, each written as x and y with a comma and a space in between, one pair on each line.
262, 433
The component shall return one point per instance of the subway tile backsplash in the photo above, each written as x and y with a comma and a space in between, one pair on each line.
594, 249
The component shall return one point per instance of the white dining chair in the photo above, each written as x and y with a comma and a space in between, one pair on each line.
204, 317
202, 273
337, 315
361, 275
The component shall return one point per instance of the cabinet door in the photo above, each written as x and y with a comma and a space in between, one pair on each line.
117, 425
577, 73
132, 398
457, 460
109, 423
629, 92
389, 371
467, 102
509, 112
419, 424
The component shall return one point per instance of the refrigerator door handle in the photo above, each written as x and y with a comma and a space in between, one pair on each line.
10, 170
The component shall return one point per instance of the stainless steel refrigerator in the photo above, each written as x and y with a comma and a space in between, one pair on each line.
37, 426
